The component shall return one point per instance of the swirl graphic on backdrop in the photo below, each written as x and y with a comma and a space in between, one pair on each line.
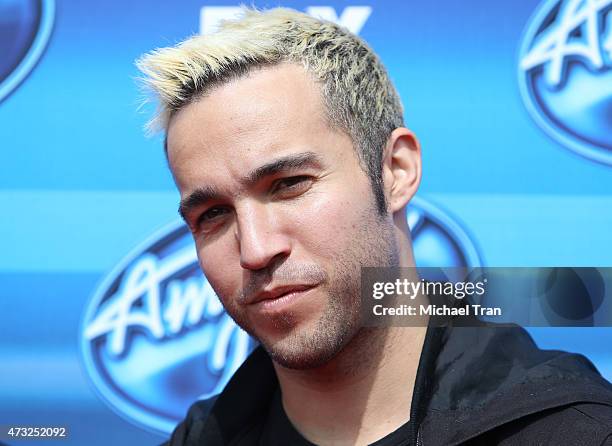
155, 338
25, 28
565, 74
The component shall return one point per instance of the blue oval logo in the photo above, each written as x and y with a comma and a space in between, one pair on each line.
155, 338
565, 74
25, 28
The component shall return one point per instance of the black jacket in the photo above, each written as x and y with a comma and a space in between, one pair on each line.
480, 385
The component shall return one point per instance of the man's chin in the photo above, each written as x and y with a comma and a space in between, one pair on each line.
300, 358
306, 348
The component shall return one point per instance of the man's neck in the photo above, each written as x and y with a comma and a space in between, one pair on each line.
360, 396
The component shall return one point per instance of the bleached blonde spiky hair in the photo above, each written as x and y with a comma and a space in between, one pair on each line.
356, 90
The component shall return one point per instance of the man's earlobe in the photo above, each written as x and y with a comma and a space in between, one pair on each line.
401, 168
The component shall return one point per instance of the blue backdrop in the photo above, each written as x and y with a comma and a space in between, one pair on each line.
81, 187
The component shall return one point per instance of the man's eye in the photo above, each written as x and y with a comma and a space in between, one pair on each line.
212, 215
291, 185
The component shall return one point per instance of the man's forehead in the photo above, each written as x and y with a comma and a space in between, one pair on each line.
244, 101
267, 111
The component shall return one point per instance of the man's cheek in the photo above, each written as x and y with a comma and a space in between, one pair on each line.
225, 291
220, 281
333, 221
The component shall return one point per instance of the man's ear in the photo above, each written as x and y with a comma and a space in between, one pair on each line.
401, 168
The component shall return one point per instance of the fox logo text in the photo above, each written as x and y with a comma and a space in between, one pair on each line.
352, 18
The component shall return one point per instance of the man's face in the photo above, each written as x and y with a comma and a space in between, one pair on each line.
282, 214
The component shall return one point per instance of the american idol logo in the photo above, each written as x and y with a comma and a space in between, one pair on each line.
155, 338
565, 74
25, 28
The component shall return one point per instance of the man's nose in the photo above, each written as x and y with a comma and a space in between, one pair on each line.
260, 237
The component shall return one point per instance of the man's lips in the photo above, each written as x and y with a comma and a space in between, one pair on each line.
278, 292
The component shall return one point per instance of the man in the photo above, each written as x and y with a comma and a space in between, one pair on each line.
286, 140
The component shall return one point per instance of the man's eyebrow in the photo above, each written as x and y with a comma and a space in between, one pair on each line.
196, 198
289, 162
286, 163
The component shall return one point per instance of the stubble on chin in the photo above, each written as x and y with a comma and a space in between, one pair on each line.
310, 347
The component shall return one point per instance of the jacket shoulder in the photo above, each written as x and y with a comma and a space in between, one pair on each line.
195, 419
575, 424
